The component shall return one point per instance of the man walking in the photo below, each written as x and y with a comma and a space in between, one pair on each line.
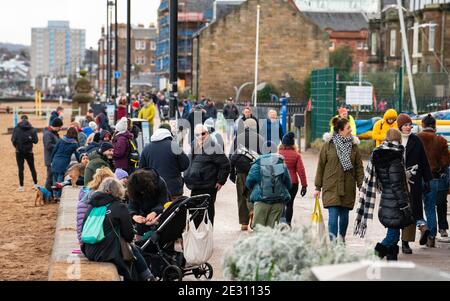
23, 138
231, 114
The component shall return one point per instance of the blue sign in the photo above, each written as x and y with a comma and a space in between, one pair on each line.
118, 74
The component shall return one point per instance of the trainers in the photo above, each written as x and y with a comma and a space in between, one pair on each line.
443, 233
20, 189
425, 232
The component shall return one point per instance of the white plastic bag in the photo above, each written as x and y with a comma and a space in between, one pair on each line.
198, 242
318, 226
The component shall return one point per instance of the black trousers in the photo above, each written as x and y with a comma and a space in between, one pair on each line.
289, 207
21, 158
213, 194
441, 206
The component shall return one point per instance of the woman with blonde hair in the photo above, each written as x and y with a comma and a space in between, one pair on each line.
85, 194
116, 226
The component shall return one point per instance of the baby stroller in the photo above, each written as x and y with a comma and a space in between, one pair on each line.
158, 250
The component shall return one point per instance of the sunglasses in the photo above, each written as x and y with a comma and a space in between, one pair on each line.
202, 134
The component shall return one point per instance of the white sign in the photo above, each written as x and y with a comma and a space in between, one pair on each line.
357, 95
111, 110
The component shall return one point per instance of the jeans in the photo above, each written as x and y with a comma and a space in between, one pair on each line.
429, 201
337, 216
57, 178
49, 180
392, 237
139, 270
21, 158
288, 210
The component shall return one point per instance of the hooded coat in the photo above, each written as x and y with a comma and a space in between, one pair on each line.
62, 154
117, 214
50, 138
24, 136
338, 186
167, 158
381, 127
122, 148
96, 161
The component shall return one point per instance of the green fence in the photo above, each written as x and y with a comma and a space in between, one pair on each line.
323, 95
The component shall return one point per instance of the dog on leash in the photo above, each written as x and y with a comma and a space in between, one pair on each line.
42, 196
74, 172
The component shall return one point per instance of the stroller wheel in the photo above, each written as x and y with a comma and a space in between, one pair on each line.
205, 270
172, 273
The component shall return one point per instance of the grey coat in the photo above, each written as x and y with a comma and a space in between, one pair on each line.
50, 140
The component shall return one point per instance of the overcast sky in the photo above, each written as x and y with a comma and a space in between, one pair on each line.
17, 17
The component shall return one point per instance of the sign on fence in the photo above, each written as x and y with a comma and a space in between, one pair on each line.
358, 95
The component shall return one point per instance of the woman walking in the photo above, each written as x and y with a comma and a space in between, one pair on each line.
339, 171
294, 163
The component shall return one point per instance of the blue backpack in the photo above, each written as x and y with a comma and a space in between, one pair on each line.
93, 227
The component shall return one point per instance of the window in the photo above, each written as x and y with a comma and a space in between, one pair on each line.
373, 42
140, 60
152, 45
393, 49
140, 45
431, 37
331, 46
360, 45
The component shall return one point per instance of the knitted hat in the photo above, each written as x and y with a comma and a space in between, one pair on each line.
429, 121
403, 119
289, 139
57, 123
121, 174
104, 147
122, 125
136, 104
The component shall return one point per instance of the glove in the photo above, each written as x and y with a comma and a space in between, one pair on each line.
426, 187
303, 192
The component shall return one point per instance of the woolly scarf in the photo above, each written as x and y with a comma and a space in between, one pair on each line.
367, 193
344, 149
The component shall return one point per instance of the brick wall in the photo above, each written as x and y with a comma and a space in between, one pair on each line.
289, 44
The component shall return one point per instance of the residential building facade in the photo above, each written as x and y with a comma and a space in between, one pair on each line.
57, 50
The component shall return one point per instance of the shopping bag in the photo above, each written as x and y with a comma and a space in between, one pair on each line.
318, 227
197, 241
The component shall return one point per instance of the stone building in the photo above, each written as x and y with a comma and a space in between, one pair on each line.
224, 52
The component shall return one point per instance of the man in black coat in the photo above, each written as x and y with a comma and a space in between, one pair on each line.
23, 138
231, 114
209, 168
167, 158
50, 138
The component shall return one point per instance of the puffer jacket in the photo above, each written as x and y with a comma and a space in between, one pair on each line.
62, 154
109, 248
208, 168
82, 207
122, 148
391, 176
24, 136
381, 127
254, 179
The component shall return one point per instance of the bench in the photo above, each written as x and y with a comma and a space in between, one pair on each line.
65, 266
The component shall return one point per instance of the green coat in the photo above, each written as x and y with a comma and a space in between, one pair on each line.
338, 187
96, 161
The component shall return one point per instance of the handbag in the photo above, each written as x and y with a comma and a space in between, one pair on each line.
197, 242
406, 216
125, 247
318, 226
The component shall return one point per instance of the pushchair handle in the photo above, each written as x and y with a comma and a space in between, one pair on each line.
200, 196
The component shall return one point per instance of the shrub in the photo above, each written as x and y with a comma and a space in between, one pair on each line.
281, 255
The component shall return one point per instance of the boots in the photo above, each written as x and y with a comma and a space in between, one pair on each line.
424, 233
405, 248
431, 242
392, 253
381, 250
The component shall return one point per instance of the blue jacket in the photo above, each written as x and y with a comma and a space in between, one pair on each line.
254, 179
62, 153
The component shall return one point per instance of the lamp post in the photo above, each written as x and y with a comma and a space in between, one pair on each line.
116, 61
91, 57
173, 12
258, 10
128, 58
108, 57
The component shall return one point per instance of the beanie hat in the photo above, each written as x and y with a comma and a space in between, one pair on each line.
289, 139
92, 125
57, 123
122, 125
121, 174
104, 147
403, 119
136, 105
429, 121
209, 123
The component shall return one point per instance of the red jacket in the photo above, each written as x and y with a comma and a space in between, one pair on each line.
294, 163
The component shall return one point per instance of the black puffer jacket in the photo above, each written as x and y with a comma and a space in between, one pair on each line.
390, 172
109, 248
207, 168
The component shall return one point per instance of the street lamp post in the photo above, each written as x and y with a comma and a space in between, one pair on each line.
108, 57
173, 12
257, 54
129, 58
116, 61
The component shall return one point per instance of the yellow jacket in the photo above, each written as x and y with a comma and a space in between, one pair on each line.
148, 113
350, 120
381, 126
